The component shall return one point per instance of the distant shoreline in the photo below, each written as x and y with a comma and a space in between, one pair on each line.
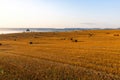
21, 30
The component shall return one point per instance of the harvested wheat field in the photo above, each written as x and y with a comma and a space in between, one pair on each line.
76, 55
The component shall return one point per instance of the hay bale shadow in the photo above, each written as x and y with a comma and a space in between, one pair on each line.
116, 35
30, 42
0, 44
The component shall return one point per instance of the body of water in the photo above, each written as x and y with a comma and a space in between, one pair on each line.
20, 30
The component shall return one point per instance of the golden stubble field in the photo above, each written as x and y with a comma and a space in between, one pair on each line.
76, 55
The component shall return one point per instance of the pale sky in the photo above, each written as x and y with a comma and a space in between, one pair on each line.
60, 13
